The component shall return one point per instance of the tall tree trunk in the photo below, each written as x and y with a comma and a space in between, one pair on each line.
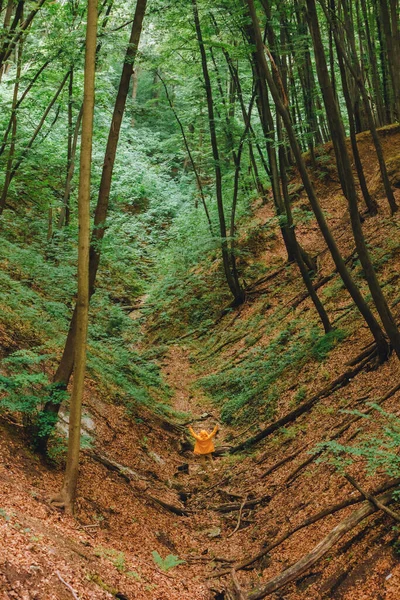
370, 202
64, 216
291, 228
64, 371
67, 495
192, 162
354, 69
374, 66
347, 180
13, 122
227, 258
353, 290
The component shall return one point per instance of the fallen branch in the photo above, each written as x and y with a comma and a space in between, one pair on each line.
341, 381
71, 589
394, 515
239, 517
342, 429
319, 550
176, 510
232, 506
129, 475
326, 512
299, 299
281, 462
124, 472
238, 590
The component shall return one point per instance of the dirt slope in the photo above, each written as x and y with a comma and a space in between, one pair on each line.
237, 507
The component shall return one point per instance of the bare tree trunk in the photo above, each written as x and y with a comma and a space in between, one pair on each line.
347, 180
337, 257
67, 495
65, 368
229, 271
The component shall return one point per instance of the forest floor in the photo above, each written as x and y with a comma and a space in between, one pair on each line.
142, 491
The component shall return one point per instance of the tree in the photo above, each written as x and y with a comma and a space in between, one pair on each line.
66, 365
67, 495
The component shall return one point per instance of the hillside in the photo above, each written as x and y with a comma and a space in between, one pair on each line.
141, 490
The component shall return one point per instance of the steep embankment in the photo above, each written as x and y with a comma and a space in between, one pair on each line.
141, 490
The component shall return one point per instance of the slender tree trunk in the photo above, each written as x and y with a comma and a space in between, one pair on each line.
374, 65
9, 46
65, 209
355, 72
65, 368
370, 203
347, 180
230, 274
390, 29
18, 104
291, 228
362, 306
67, 495
192, 162
13, 122
29, 145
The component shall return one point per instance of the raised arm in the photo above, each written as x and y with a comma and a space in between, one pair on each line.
196, 437
214, 432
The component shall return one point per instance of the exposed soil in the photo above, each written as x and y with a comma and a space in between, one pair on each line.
232, 509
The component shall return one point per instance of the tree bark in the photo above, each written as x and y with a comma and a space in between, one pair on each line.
347, 180
67, 495
65, 368
362, 306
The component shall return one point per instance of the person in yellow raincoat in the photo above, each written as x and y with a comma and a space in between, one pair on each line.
204, 445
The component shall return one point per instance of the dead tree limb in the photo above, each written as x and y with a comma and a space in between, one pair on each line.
232, 506
238, 590
341, 381
319, 550
339, 432
67, 585
131, 476
394, 515
281, 462
239, 517
326, 512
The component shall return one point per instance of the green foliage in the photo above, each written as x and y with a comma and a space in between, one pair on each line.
114, 556
323, 345
167, 563
377, 452
243, 389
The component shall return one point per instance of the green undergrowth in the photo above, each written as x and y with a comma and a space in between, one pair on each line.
373, 452
37, 290
251, 387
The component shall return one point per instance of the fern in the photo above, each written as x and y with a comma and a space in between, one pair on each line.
167, 563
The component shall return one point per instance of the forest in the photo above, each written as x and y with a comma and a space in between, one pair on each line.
199, 299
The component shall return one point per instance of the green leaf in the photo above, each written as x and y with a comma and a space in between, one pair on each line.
167, 563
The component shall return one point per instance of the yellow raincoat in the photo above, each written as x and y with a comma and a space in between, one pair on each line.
204, 441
